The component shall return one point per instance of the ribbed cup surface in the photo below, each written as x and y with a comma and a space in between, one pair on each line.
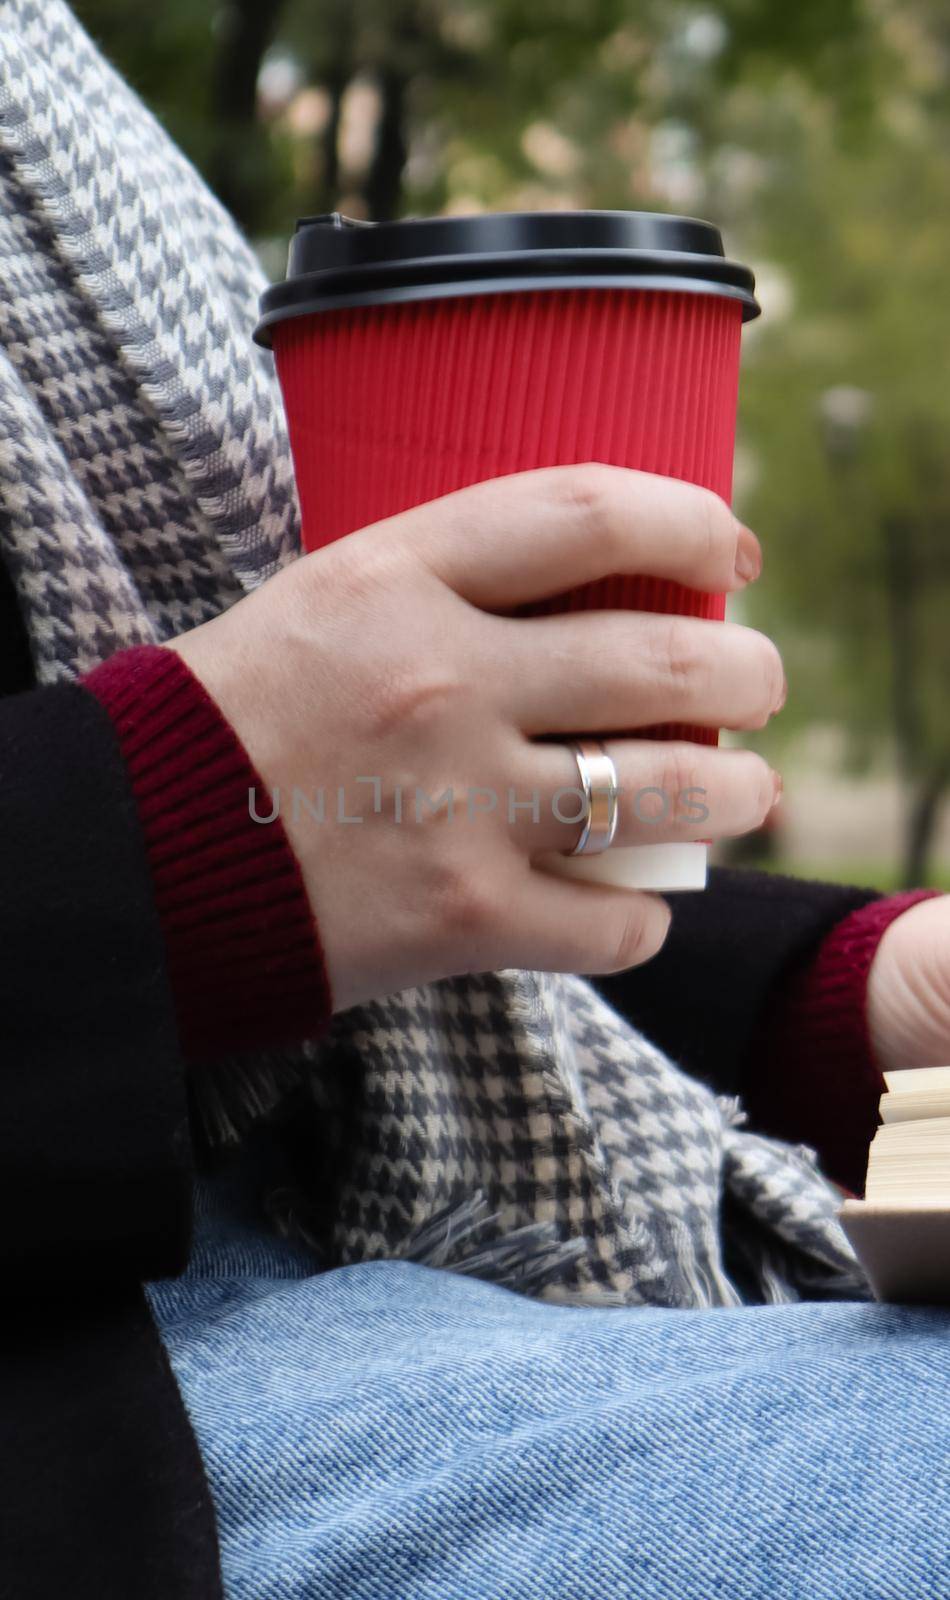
391, 406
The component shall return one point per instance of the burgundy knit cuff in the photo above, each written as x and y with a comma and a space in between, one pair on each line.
813, 1077
244, 957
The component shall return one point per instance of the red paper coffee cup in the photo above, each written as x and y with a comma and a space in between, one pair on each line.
418, 357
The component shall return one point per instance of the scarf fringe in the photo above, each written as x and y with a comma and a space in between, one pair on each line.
530, 1259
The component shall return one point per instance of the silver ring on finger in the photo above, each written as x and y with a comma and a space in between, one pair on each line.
601, 786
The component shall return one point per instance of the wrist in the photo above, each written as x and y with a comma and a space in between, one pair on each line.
820, 1080
908, 991
243, 952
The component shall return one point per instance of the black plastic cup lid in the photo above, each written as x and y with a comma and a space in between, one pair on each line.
337, 262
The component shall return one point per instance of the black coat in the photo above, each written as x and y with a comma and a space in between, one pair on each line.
102, 1490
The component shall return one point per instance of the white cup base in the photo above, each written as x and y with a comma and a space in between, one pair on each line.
666, 867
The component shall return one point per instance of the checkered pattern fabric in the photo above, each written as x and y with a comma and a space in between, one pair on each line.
528, 1091
510, 1124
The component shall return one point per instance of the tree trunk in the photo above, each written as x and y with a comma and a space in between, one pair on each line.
924, 795
383, 189
336, 83
900, 567
395, 69
337, 23
922, 821
238, 166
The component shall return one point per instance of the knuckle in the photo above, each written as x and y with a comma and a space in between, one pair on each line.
681, 656
776, 674
771, 679
680, 776
469, 903
636, 939
719, 527
759, 785
418, 700
590, 491
357, 570
766, 790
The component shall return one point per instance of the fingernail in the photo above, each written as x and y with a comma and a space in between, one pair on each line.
748, 556
778, 788
782, 697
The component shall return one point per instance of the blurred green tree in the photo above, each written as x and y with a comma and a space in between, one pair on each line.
459, 86
847, 405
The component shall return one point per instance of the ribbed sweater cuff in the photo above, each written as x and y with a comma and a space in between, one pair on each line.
244, 956
815, 1078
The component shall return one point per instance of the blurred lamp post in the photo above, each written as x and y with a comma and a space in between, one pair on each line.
844, 414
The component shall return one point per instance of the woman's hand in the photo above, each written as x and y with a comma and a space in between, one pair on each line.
378, 671
909, 989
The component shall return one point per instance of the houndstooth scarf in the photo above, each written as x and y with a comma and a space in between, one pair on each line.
509, 1124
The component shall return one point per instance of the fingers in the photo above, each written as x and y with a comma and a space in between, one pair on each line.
622, 670
534, 534
571, 927
669, 791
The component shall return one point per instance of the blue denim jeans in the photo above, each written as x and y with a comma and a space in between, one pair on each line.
389, 1432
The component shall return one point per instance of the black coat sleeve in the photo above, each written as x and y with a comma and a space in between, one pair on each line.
703, 998
95, 1156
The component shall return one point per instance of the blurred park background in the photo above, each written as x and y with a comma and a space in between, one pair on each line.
817, 134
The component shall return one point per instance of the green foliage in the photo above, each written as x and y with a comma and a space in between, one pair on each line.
858, 524
478, 74
167, 53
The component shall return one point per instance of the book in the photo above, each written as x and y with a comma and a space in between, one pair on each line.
900, 1231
